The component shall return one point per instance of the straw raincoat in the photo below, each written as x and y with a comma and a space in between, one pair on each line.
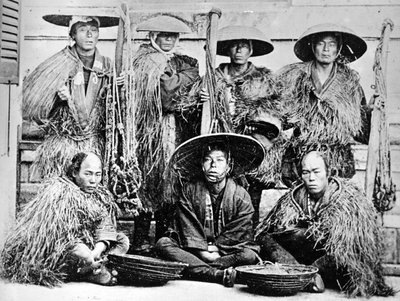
342, 237
326, 118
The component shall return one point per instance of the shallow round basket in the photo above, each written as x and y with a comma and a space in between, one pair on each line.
276, 279
142, 270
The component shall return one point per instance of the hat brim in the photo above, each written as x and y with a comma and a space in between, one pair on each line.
63, 20
353, 46
247, 153
164, 23
259, 47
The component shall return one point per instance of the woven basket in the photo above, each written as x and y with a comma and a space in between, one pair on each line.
276, 279
141, 270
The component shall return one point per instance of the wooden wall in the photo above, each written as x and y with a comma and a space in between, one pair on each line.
282, 20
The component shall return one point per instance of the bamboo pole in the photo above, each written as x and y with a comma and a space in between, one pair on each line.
378, 136
211, 49
119, 44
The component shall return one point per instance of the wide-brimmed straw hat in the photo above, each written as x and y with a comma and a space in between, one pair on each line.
353, 46
164, 24
246, 152
69, 20
261, 44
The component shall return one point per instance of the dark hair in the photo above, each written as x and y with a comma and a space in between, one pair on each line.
74, 27
319, 154
76, 163
317, 36
215, 146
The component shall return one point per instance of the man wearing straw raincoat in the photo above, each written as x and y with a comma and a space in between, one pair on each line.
247, 101
327, 222
65, 95
322, 99
160, 76
64, 233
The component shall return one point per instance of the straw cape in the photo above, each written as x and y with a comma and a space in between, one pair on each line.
353, 46
69, 127
246, 154
48, 227
328, 120
257, 99
158, 126
347, 229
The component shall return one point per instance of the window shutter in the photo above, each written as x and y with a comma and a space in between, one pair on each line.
9, 41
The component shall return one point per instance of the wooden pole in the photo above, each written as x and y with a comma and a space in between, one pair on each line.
375, 138
211, 47
119, 44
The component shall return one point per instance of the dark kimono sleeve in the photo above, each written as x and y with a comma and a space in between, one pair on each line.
189, 227
174, 81
238, 231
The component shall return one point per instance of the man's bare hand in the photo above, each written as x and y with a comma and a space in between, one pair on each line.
64, 94
204, 95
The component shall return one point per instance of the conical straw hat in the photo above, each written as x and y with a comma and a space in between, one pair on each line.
261, 44
353, 46
64, 20
164, 24
247, 153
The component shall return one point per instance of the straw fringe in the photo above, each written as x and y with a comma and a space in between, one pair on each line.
254, 93
40, 86
56, 152
149, 65
48, 227
349, 227
334, 117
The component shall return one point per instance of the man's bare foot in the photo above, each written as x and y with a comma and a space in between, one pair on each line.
103, 276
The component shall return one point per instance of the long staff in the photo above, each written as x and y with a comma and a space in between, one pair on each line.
208, 111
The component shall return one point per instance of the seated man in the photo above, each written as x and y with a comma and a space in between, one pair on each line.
65, 231
329, 223
213, 227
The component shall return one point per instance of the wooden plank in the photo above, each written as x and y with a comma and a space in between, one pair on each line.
272, 19
344, 2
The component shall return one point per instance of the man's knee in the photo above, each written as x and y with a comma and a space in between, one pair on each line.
165, 242
248, 256
81, 252
122, 245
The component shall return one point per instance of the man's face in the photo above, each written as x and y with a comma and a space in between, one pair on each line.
215, 166
314, 174
86, 36
326, 49
239, 52
89, 175
166, 40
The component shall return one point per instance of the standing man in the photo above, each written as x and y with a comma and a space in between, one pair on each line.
160, 75
213, 221
65, 95
323, 101
66, 230
327, 222
247, 101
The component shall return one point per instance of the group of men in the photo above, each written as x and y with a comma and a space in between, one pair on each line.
294, 127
